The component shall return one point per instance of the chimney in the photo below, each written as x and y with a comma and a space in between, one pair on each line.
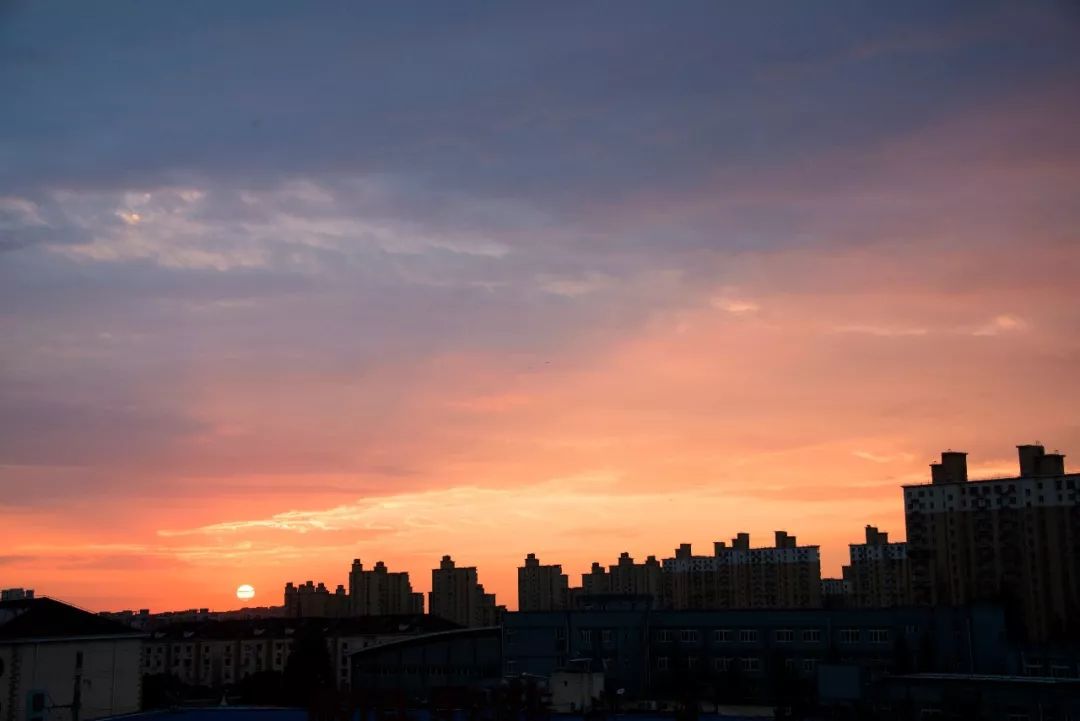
954, 467
1030, 456
741, 542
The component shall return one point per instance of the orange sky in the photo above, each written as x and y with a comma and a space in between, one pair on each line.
686, 286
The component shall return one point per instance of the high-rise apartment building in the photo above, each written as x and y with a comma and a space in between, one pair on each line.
596, 581
877, 576
738, 576
540, 587
457, 595
309, 600
378, 592
625, 577
1012, 540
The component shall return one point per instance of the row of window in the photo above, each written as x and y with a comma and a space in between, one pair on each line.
752, 635
425, 669
742, 635
748, 664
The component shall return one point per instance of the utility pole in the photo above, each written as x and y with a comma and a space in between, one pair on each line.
76, 694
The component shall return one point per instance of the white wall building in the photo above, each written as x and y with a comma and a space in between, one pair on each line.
59, 663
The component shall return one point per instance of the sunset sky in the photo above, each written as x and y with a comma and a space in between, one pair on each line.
284, 286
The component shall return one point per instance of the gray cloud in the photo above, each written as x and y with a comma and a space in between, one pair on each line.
350, 192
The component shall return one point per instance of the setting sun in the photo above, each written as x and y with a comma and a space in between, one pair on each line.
245, 592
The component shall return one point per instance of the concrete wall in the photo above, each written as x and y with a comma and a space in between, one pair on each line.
110, 678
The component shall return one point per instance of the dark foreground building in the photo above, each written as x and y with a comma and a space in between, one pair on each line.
421, 667
750, 655
915, 697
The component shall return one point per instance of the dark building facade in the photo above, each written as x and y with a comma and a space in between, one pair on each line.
420, 667
1009, 540
877, 574
785, 575
649, 652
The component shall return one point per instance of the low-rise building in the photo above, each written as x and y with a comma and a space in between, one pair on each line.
58, 662
422, 666
221, 653
648, 652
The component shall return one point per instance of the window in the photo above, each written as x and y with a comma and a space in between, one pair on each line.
811, 635
663, 636
750, 664
662, 663
691, 662
748, 635
37, 701
586, 636
809, 665
721, 664
605, 636
722, 635
849, 635
784, 635
688, 635
879, 635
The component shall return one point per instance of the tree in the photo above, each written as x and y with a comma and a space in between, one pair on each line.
308, 670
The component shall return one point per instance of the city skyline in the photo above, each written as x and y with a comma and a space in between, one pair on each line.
869, 585
283, 287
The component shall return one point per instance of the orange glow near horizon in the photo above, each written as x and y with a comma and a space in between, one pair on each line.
564, 293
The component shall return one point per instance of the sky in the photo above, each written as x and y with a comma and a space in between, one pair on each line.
288, 284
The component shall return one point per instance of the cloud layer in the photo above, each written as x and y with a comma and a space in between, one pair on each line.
280, 287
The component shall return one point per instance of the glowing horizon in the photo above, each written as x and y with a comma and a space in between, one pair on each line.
567, 280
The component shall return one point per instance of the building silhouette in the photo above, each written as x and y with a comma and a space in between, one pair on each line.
16, 594
378, 591
540, 587
311, 600
877, 576
217, 654
625, 578
458, 596
1010, 540
737, 576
